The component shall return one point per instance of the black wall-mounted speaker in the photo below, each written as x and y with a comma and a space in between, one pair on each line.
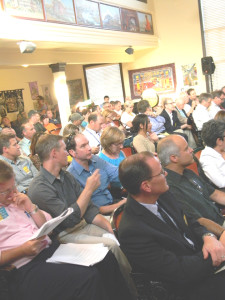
208, 66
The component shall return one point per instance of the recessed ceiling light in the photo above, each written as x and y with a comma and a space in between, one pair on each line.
25, 66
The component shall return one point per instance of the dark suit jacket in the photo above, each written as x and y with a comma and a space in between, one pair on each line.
176, 123
155, 248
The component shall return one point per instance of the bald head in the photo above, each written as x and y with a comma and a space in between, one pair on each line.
180, 103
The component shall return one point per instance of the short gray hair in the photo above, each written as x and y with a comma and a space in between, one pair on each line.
165, 148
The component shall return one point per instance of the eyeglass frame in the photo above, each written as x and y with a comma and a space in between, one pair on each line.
162, 172
8, 191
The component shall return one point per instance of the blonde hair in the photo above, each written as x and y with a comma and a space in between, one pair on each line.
111, 135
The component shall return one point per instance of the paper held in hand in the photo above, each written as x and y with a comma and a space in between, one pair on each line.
79, 254
47, 227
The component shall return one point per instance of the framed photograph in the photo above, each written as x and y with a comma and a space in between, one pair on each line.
31, 9
110, 17
60, 10
145, 23
129, 20
161, 78
190, 75
87, 13
75, 91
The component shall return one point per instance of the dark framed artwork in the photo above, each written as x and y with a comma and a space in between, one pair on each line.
110, 17
60, 10
129, 20
76, 93
145, 23
11, 101
87, 13
161, 78
2, 105
31, 9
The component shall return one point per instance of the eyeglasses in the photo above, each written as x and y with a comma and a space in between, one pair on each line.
162, 172
118, 144
6, 193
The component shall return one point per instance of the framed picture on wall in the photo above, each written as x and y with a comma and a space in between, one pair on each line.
60, 10
87, 13
129, 20
27, 8
75, 91
11, 101
110, 17
145, 23
161, 78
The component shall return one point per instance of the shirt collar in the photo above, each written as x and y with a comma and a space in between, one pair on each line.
176, 176
79, 168
28, 142
50, 177
11, 162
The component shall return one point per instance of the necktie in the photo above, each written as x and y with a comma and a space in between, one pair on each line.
166, 218
169, 221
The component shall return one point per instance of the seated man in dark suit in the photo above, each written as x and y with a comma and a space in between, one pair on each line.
160, 241
34, 278
195, 195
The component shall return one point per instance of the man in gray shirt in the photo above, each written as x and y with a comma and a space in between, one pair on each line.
54, 190
23, 168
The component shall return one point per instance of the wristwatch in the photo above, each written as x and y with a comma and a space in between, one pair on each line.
209, 234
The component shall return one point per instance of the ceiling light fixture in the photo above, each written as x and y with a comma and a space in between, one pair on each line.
26, 46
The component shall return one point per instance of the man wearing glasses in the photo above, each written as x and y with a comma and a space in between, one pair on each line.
217, 100
160, 241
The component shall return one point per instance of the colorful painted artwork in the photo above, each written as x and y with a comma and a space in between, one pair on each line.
87, 13
129, 20
161, 78
60, 10
75, 91
33, 90
110, 17
190, 76
31, 9
145, 23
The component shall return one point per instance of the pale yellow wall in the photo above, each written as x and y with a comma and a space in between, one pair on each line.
18, 79
178, 28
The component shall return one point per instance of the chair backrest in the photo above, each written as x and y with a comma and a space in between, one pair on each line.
115, 218
127, 151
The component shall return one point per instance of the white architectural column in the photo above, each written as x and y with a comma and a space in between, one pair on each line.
61, 91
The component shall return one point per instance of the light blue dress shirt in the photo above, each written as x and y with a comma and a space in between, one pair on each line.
108, 174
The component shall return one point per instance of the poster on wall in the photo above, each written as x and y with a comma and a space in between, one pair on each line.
31, 9
60, 10
46, 91
110, 17
2, 105
75, 91
129, 20
11, 101
33, 90
145, 23
87, 13
161, 78
190, 76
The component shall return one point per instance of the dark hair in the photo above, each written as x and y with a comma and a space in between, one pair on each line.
189, 91
142, 106
34, 141
45, 144
106, 96
204, 96
211, 131
70, 141
25, 121
4, 140
92, 117
133, 170
217, 94
94, 108
138, 120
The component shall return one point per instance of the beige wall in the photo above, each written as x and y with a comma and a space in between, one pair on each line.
12, 79
178, 28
